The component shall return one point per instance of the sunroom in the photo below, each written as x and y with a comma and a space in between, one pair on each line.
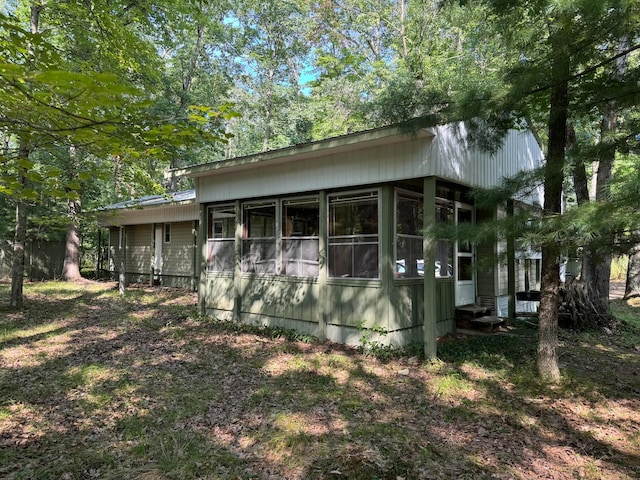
327, 238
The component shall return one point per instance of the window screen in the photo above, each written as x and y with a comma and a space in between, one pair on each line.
259, 238
354, 235
300, 240
221, 238
409, 226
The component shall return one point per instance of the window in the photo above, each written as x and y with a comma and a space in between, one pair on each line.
167, 233
259, 237
354, 235
300, 240
464, 214
221, 238
444, 248
409, 222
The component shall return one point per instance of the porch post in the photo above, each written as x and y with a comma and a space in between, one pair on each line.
429, 250
197, 253
153, 254
237, 271
511, 268
122, 279
323, 294
201, 259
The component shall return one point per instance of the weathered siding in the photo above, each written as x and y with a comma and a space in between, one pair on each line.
218, 295
178, 260
296, 303
114, 249
138, 253
444, 155
486, 264
445, 307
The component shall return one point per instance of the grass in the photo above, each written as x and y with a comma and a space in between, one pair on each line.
98, 386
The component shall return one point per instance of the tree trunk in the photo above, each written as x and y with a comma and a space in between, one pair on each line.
596, 264
550, 284
71, 267
632, 287
20, 239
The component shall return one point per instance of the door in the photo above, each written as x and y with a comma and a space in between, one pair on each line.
157, 254
464, 260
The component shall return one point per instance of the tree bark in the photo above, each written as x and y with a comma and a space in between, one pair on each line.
550, 282
596, 262
71, 267
632, 287
19, 239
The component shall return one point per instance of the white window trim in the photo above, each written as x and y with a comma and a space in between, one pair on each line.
227, 206
166, 230
417, 196
378, 192
275, 202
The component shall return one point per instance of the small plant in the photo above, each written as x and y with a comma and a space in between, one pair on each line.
374, 347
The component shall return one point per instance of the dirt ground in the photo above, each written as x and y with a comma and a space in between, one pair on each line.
95, 386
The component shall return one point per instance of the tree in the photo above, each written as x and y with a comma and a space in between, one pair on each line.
47, 105
545, 63
632, 285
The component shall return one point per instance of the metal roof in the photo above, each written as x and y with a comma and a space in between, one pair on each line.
185, 196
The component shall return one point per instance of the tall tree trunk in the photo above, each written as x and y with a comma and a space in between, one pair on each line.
550, 282
71, 267
596, 263
19, 239
72, 253
187, 81
632, 287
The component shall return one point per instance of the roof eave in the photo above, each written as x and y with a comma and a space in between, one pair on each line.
348, 142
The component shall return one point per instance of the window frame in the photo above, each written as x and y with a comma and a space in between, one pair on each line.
212, 239
283, 238
448, 243
272, 263
374, 193
400, 192
166, 233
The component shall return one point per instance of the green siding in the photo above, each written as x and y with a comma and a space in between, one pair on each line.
445, 307
354, 305
138, 251
279, 297
219, 296
178, 255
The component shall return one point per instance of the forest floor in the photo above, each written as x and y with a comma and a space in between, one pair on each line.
93, 385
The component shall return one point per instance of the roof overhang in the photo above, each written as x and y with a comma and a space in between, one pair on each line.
344, 143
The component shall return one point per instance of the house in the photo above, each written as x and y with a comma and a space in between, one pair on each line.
153, 239
327, 237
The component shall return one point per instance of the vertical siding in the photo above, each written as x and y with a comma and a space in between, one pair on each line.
138, 249
276, 298
356, 305
445, 307
114, 249
218, 295
177, 255
487, 266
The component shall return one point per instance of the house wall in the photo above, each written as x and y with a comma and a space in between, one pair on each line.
178, 268
138, 252
334, 308
178, 261
298, 304
446, 154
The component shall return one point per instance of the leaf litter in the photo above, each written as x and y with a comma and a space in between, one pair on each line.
98, 386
